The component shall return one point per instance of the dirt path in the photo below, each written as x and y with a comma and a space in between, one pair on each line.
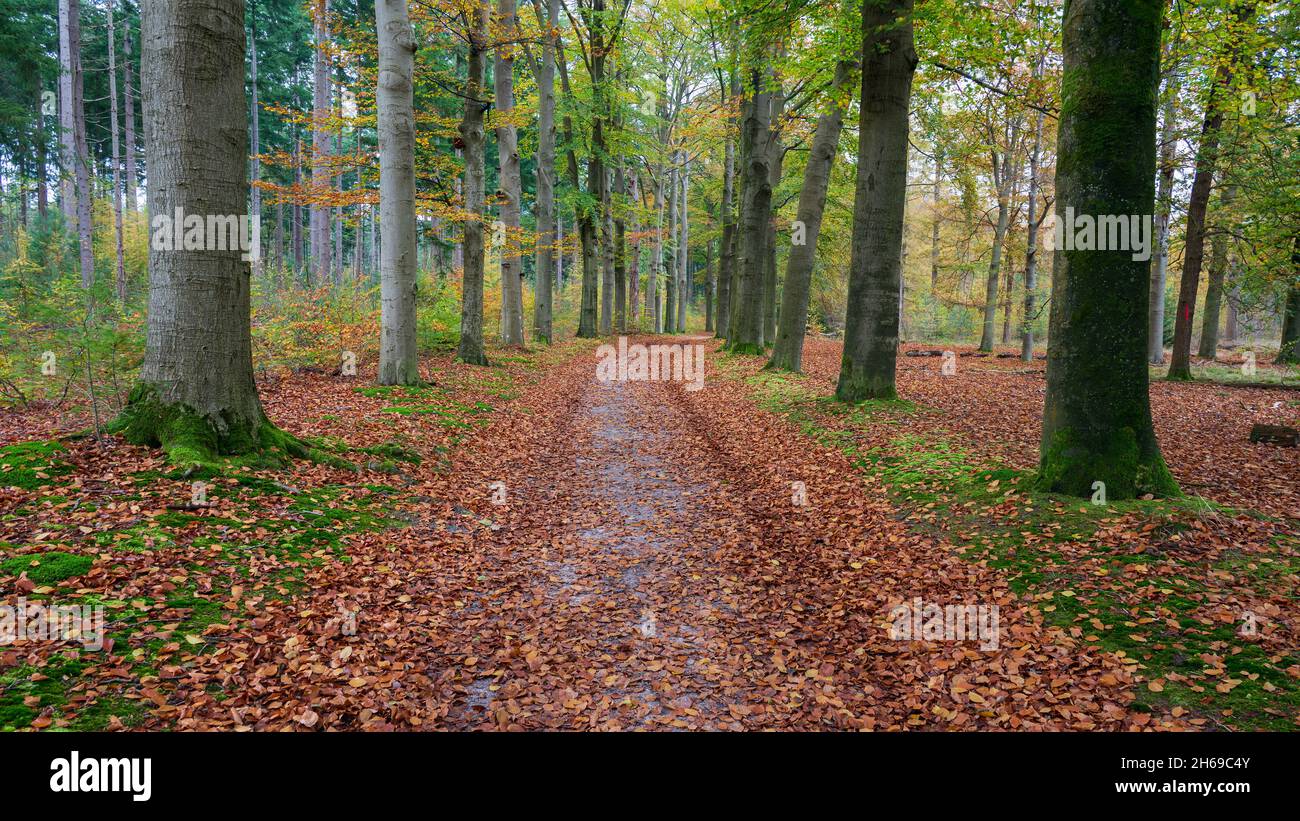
650, 569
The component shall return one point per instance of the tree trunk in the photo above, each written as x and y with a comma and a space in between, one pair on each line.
320, 145
512, 298
120, 264
1164, 207
472, 134
755, 213
776, 159
1004, 183
620, 254
871, 317
670, 264
196, 396
1031, 250
583, 213
1289, 349
1097, 414
1180, 363
128, 100
725, 256
683, 247
399, 361
546, 217
1209, 347
607, 286
76, 155
787, 350
256, 136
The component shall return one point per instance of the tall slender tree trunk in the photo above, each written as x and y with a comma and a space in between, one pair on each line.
320, 143
196, 396
1180, 362
548, 255
620, 253
670, 264
726, 257
776, 159
634, 263
1097, 413
872, 315
934, 224
1209, 347
1289, 348
607, 286
77, 193
683, 247
128, 101
120, 263
787, 349
1164, 209
584, 213
1005, 177
755, 213
256, 135
1033, 221
399, 361
473, 135
503, 77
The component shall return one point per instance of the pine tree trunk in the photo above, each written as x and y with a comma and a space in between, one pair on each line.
196, 396
399, 361
1097, 414
872, 315
512, 299
77, 194
787, 349
473, 135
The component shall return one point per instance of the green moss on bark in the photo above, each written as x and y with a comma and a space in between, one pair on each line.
1071, 465
203, 445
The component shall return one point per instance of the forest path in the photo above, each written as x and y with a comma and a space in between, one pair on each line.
639, 627
652, 568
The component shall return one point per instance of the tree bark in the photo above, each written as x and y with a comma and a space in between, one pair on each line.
620, 253
196, 396
1209, 347
1031, 250
472, 134
320, 144
1180, 362
1289, 349
872, 315
119, 262
787, 349
512, 298
755, 213
1097, 414
128, 100
1164, 208
399, 361
546, 217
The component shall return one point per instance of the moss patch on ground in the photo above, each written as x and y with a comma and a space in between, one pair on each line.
32, 465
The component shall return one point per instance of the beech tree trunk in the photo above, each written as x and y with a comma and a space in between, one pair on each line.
399, 361
1097, 413
475, 138
787, 349
755, 213
320, 145
872, 315
546, 217
503, 78
1209, 347
620, 254
1180, 362
1289, 350
120, 264
726, 257
1164, 207
128, 101
196, 396
1031, 251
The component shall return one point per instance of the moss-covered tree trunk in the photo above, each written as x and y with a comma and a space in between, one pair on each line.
872, 314
1097, 414
196, 397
